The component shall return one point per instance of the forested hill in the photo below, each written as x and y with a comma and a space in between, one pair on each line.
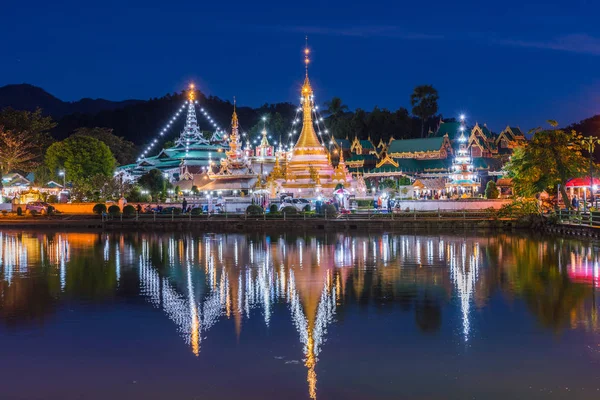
135, 120
140, 121
29, 97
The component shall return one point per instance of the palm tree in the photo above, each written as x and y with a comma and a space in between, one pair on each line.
335, 112
335, 107
424, 100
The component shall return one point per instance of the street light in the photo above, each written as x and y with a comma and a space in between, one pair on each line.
62, 173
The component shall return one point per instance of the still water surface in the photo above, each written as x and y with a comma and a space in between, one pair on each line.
227, 316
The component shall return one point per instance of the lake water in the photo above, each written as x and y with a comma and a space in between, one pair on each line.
227, 316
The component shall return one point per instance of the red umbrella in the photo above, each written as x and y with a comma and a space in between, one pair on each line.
581, 182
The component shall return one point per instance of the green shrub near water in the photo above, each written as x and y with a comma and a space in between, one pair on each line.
273, 209
289, 210
99, 208
53, 198
176, 210
364, 203
329, 210
254, 209
519, 208
197, 211
114, 210
129, 210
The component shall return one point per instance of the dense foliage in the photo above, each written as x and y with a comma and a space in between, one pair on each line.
81, 158
254, 209
491, 190
549, 159
155, 183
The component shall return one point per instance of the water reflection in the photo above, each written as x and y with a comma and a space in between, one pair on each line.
197, 281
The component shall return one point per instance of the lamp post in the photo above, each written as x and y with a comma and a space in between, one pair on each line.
589, 143
62, 173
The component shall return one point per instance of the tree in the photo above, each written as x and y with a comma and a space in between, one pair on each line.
17, 152
491, 190
123, 150
335, 107
81, 158
424, 101
33, 124
549, 159
155, 183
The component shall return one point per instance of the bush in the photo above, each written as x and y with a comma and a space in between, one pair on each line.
53, 198
4, 212
114, 210
289, 210
254, 209
491, 190
306, 208
329, 210
99, 208
19, 211
197, 211
129, 210
273, 209
519, 208
364, 203
176, 210
51, 210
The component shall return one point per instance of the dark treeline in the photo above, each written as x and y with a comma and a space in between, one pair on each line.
141, 122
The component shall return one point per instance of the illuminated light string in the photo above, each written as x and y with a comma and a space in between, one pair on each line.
318, 121
172, 121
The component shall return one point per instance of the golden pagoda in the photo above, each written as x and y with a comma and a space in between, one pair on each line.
309, 170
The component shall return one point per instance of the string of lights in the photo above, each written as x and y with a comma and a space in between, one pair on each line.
172, 121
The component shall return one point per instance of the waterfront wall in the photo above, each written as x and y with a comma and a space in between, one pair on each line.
452, 205
65, 208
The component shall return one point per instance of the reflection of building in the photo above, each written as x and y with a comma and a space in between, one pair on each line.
199, 282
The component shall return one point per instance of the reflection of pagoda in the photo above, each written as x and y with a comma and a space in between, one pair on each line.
309, 169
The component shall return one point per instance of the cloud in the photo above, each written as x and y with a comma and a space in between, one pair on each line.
573, 43
363, 31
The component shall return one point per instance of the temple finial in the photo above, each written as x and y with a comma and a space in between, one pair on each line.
306, 59
192, 92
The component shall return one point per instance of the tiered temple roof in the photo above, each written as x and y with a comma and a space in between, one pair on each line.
192, 151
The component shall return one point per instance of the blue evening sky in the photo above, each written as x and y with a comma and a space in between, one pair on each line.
500, 62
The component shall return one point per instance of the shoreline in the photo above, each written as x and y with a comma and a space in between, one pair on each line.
253, 224
241, 223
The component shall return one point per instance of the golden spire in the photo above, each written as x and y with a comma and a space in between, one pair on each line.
264, 142
234, 119
192, 92
308, 136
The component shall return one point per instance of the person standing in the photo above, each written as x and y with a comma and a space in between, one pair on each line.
184, 204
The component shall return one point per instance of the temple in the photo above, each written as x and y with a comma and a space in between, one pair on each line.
309, 170
192, 154
235, 171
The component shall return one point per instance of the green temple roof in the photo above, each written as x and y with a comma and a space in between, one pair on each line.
452, 129
366, 144
362, 157
415, 145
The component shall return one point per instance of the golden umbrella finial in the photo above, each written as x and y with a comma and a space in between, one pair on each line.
192, 92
